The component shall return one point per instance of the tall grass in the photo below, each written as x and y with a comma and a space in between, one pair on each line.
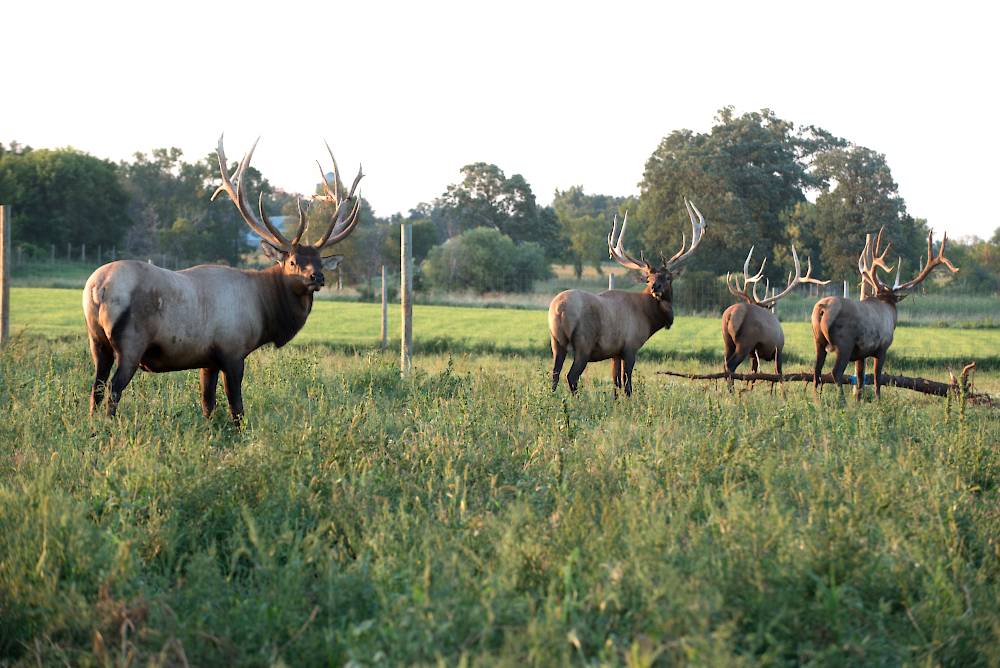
469, 516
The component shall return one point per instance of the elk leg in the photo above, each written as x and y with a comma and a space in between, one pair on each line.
104, 359
232, 382
879, 361
735, 360
581, 355
859, 372
777, 361
209, 381
754, 362
616, 374
628, 361
558, 357
730, 351
839, 367
820, 360
126, 367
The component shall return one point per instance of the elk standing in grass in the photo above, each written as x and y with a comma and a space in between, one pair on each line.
856, 330
752, 328
211, 317
615, 324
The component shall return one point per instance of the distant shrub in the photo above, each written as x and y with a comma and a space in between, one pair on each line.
485, 260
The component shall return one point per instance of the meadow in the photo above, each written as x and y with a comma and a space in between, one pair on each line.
470, 516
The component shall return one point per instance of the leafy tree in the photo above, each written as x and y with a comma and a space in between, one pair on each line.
63, 196
588, 241
487, 198
575, 203
864, 200
485, 260
742, 176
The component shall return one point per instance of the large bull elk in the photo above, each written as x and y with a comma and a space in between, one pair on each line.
615, 324
751, 328
856, 330
209, 317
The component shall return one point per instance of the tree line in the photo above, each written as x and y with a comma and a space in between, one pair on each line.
761, 181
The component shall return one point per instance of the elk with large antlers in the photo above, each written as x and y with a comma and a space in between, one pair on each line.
210, 317
615, 324
751, 328
856, 330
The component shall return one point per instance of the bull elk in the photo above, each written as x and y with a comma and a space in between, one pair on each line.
856, 330
615, 324
210, 317
751, 328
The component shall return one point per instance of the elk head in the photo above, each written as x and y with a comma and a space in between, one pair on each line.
769, 302
871, 258
303, 264
659, 282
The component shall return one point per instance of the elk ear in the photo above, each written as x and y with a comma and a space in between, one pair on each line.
674, 275
332, 261
640, 278
900, 298
273, 252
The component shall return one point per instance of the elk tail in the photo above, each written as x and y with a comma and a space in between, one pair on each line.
823, 315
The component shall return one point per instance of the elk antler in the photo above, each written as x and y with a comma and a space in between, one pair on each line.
747, 280
618, 253
868, 273
237, 193
931, 263
344, 220
799, 279
697, 233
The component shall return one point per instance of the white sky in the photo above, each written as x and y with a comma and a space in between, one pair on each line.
565, 93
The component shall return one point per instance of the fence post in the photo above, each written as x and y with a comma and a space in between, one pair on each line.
19, 255
406, 298
4, 274
847, 290
611, 281
83, 253
340, 278
69, 252
385, 312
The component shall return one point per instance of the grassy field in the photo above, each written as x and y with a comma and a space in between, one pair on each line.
469, 516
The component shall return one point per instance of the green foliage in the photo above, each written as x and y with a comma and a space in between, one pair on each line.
63, 196
485, 260
864, 201
742, 176
470, 516
588, 241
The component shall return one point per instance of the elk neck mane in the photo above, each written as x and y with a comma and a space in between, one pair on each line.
285, 312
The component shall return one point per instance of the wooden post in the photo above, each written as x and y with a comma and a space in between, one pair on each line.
19, 255
406, 297
83, 253
385, 312
340, 278
5, 223
847, 290
611, 281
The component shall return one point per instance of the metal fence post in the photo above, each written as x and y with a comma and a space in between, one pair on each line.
83, 253
847, 290
69, 252
406, 297
5, 223
611, 281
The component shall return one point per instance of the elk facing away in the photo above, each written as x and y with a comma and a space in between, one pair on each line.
209, 317
752, 328
615, 324
856, 330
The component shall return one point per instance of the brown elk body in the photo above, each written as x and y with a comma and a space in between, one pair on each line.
751, 328
209, 317
615, 324
856, 330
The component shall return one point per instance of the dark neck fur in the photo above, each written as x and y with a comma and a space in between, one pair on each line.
285, 312
660, 313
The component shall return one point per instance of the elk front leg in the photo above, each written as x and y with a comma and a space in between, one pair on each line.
859, 372
879, 361
558, 357
232, 382
209, 381
616, 374
104, 359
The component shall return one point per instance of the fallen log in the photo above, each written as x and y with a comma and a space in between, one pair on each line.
922, 385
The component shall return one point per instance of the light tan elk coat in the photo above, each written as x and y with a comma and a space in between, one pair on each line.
855, 330
209, 317
751, 328
615, 324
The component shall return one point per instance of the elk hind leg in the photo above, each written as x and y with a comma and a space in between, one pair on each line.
839, 367
821, 344
735, 359
104, 359
127, 363
558, 357
628, 363
209, 382
581, 355
879, 362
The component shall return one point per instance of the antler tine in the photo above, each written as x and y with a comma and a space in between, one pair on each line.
931, 261
238, 195
618, 253
343, 227
747, 280
302, 222
343, 221
879, 260
799, 279
697, 233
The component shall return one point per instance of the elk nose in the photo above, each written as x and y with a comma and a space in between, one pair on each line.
319, 278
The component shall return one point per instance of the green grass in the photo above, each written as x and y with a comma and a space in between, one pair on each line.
469, 516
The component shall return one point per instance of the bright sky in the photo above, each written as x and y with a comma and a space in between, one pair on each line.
565, 93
